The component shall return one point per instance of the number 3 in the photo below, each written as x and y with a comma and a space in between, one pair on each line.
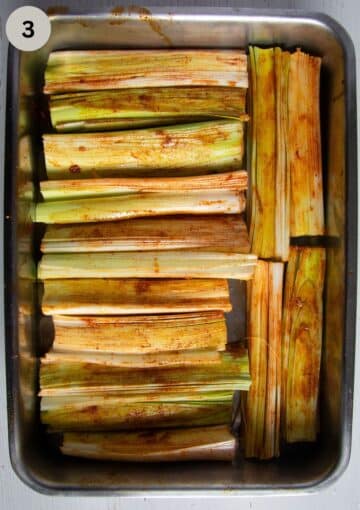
29, 29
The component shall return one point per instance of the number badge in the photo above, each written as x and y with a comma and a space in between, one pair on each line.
28, 28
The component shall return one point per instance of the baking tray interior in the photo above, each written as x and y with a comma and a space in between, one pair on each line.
302, 466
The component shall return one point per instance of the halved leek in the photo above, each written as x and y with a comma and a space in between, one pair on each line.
110, 413
115, 108
80, 70
104, 296
257, 329
304, 146
188, 149
197, 394
95, 188
200, 443
149, 264
88, 210
302, 343
129, 123
62, 377
149, 360
213, 233
264, 319
140, 334
262, 189
282, 178
271, 446
269, 190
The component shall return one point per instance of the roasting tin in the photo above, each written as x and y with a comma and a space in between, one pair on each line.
301, 467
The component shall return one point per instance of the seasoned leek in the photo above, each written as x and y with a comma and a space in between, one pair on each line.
269, 199
88, 210
302, 343
128, 123
213, 233
98, 414
274, 344
150, 360
114, 109
286, 173
304, 146
264, 320
70, 71
187, 149
62, 377
103, 296
197, 394
282, 177
140, 334
95, 188
200, 443
149, 264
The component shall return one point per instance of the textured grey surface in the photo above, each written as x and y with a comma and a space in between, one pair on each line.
14, 494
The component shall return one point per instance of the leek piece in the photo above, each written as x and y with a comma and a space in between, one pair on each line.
262, 94
216, 233
157, 264
197, 394
264, 321
71, 71
271, 446
282, 177
111, 124
186, 149
116, 108
94, 188
157, 360
257, 328
100, 414
304, 146
88, 210
269, 190
191, 444
140, 334
302, 343
62, 377
104, 296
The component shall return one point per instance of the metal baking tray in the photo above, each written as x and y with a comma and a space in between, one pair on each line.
302, 467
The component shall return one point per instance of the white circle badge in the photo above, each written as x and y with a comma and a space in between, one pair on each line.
28, 28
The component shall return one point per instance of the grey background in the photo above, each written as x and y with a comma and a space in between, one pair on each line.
345, 494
